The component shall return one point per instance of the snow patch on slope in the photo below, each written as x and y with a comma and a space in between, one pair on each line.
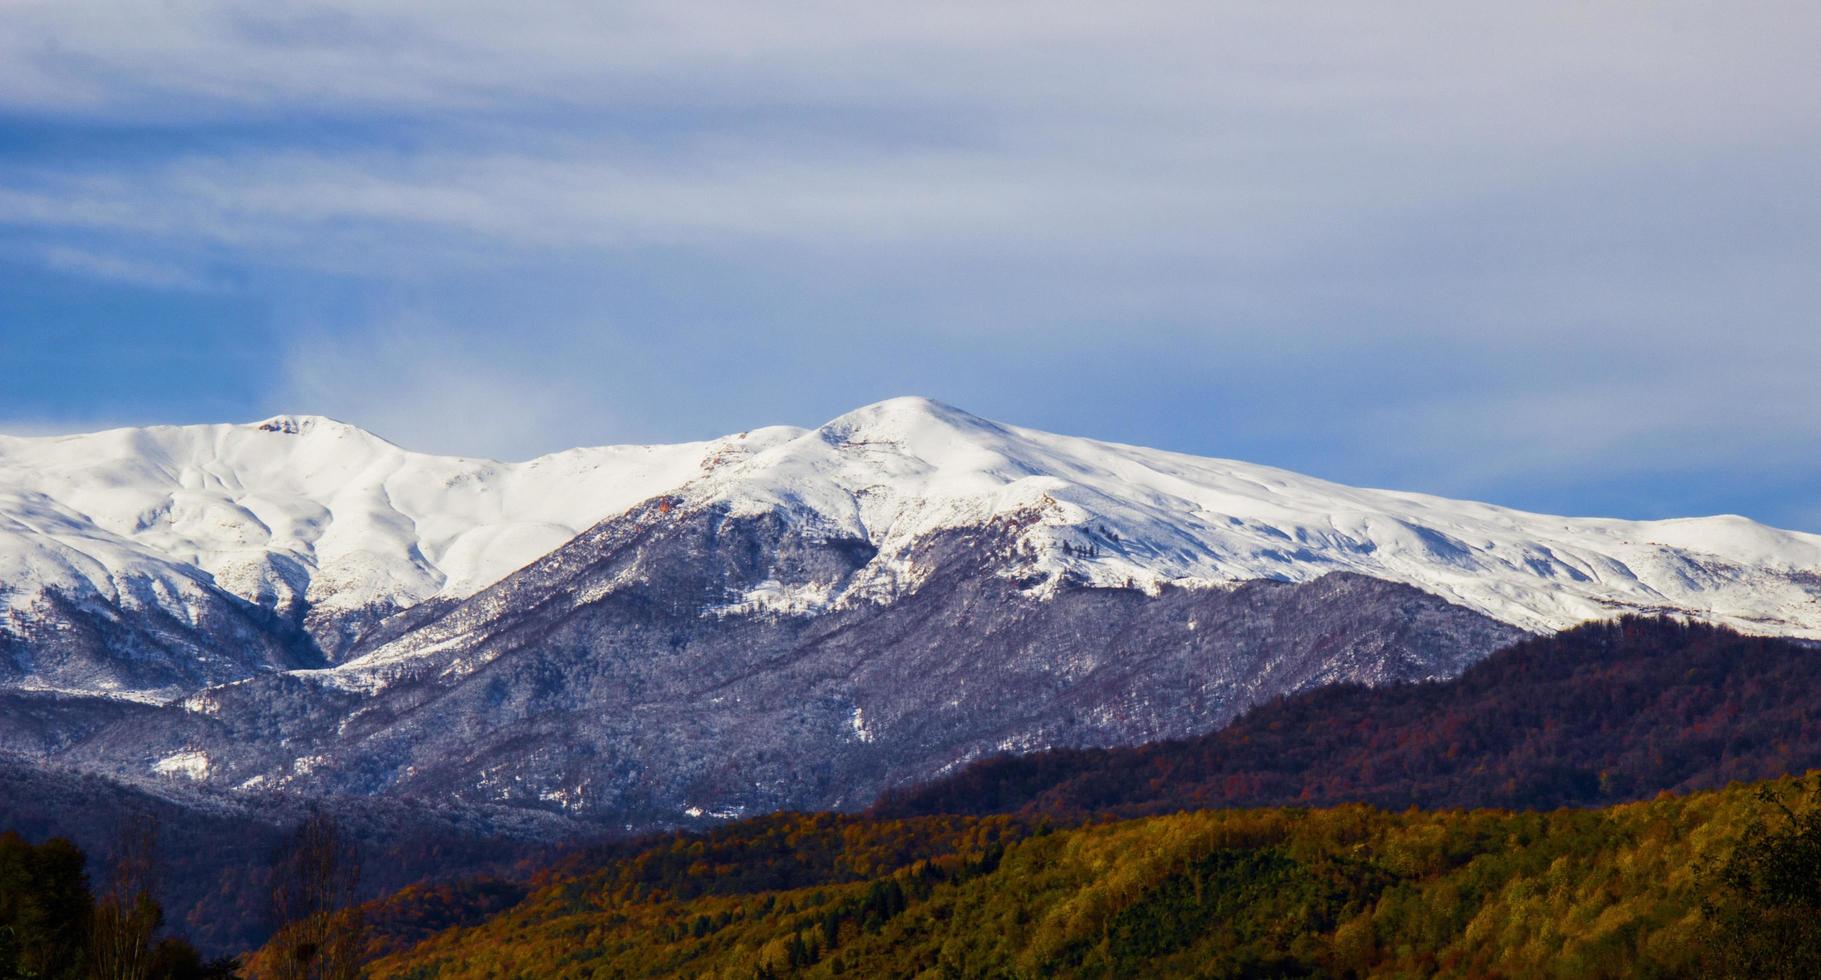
188, 764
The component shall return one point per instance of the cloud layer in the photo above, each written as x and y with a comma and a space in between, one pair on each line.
1554, 254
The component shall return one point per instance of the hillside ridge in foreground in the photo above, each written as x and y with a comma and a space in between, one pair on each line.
1599, 714
1677, 886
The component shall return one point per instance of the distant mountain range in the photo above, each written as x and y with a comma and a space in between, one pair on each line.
782, 618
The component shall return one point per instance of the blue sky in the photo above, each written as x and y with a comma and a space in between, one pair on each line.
1558, 255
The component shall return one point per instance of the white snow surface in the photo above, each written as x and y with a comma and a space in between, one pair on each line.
898, 470
295, 507
307, 507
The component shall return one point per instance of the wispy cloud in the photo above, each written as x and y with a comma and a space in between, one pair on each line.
432, 389
1520, 234
139, 272
561, 124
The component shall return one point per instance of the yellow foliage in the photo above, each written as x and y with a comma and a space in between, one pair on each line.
1347, 891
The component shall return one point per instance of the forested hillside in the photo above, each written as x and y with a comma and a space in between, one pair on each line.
213, 858
1179, 854
1599, 714
59, 923
1718, 883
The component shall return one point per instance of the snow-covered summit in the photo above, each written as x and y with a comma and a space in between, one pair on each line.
297, 425
1112, 514
301, 511
298, 508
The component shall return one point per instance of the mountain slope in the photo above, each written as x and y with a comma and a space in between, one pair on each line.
325, 525
592, 681
1599, 714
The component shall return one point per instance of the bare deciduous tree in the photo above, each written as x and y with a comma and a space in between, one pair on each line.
321, 934
127, 917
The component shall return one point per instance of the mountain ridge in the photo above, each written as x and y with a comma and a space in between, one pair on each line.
333, 530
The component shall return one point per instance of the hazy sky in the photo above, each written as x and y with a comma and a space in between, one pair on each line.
1564, 256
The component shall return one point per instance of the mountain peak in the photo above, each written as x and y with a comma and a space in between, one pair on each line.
903, 419
297, 425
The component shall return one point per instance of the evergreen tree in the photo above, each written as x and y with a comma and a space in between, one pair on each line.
45, 908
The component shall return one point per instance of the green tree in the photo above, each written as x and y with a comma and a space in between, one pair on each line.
45, 908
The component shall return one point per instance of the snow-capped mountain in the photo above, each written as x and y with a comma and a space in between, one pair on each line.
302, 509
780, 618
317, 524
314, 523
1111, 514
